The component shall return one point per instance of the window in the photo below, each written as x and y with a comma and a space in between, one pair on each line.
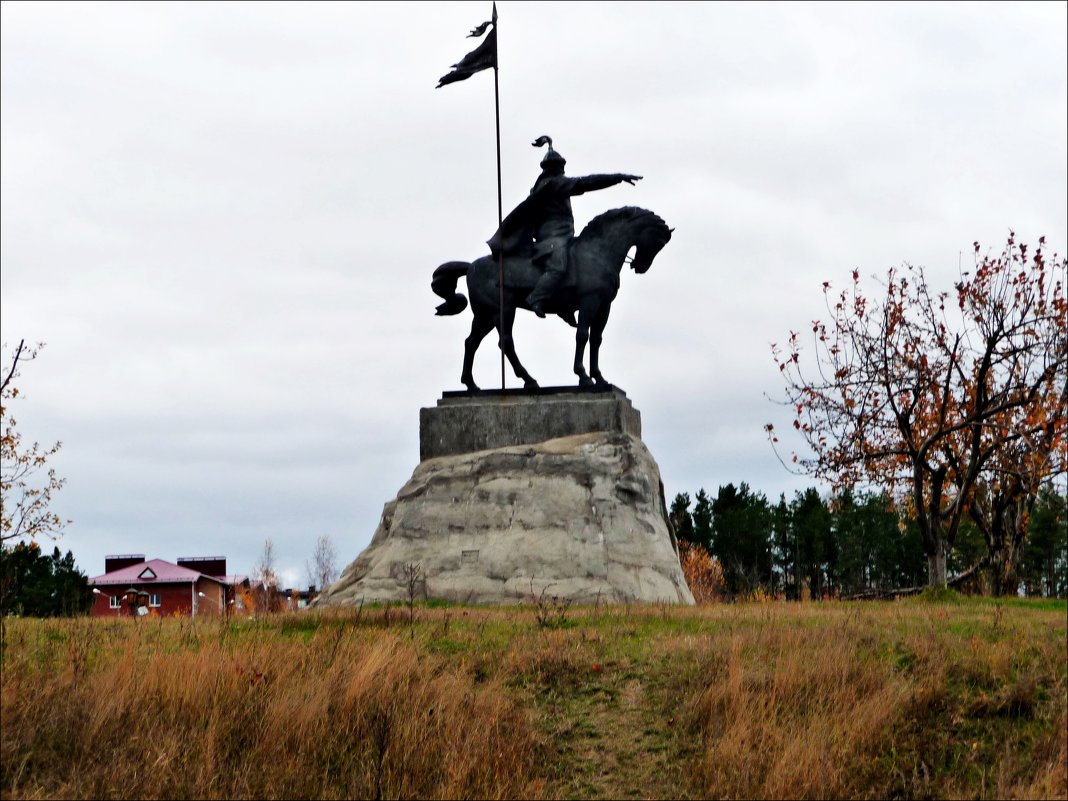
115, 601
153, 599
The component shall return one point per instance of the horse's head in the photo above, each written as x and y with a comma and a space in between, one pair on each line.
630, 227
652, 236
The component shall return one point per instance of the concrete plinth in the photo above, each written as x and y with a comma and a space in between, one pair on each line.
464, 423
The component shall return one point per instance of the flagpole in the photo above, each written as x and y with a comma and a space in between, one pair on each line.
500, 213
476, 61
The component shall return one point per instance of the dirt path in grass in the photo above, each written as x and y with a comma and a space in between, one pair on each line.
615, 737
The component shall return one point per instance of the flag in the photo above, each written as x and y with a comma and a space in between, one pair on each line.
481, 58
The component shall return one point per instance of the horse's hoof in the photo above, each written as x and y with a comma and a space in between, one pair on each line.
530, 383
585, 381
600, 381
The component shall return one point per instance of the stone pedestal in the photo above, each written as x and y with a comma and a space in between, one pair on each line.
463, 422
520, 493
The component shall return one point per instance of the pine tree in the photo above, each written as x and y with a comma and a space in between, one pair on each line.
681, 519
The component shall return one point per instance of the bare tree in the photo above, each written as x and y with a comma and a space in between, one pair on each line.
265, 575
415, 583
322, 570
25, 499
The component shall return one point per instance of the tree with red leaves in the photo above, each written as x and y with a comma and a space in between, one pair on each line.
952, 406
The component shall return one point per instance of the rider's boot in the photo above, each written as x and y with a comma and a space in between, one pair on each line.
542, 291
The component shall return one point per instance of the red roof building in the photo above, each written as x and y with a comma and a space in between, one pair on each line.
131, 585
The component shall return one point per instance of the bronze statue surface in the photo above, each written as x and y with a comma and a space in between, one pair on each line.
543, 225
547, 269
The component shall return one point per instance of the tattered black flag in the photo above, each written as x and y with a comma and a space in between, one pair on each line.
481, 58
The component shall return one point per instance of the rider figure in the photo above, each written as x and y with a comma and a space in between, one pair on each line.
553, 220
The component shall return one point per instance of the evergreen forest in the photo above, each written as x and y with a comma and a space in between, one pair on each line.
853, 545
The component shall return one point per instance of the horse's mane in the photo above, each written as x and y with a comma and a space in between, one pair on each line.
596, 226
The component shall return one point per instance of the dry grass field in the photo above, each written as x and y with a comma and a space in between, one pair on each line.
921, 698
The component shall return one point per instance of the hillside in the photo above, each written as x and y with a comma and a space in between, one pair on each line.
916, 698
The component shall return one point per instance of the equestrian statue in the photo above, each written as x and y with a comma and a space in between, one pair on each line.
547, 269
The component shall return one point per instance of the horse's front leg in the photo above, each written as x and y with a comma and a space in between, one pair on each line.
508, 346
596, 330
588, 307
480, 326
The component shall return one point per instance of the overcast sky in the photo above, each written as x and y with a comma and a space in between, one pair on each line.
223, 219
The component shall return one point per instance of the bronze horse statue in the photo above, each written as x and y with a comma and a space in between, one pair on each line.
595, 260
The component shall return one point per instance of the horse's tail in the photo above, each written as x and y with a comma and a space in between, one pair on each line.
444, 285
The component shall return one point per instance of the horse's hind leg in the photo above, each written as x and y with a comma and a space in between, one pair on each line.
480, 326
508, 346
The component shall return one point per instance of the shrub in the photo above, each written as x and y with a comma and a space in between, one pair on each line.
702, 571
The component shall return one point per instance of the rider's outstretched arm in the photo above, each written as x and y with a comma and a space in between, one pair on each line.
590, 183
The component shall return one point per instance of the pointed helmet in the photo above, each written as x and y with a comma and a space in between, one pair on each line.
551, 157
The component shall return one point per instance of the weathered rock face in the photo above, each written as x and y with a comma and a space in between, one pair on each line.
583, 516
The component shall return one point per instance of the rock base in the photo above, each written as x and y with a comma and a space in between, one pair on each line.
579, 517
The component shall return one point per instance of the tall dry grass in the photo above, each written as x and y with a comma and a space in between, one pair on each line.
873, 707
795, 715
755, 700
128, 712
